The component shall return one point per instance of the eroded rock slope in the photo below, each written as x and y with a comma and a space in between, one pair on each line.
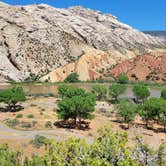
38, 39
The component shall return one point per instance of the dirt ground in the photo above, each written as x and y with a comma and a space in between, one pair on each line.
48, 105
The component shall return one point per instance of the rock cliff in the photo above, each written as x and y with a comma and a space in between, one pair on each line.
142, 68
38, 39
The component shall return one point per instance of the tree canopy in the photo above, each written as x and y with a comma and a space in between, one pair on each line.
141, 92
77, 104
127, 111
116, 90
100, 91
73, 77
62, 90
122, 78
154, 109
12, 96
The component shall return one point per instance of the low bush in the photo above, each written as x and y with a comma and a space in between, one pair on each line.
26, 125
33, 105
48, 124
30, 116
41, 113
12, 122
19, 115
39, 141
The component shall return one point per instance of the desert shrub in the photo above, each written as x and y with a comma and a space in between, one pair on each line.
48, 124
19, 115
30, 116
33, 105
12, 122
39, 141
26, 125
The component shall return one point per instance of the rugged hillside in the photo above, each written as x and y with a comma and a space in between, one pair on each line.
142, 68
38, 39
161, 34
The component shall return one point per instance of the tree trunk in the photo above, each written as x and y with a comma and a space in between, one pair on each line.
116, 98
75, 120
128, 125
9, 107
79, 122
146, 121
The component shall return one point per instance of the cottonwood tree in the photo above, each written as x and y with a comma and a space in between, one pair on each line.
77, 105
115, 90
154, 109
127, 111
12, 96
62, 90
141, 92
100, 91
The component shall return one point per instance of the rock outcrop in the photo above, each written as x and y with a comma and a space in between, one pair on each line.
38, 39
88, 67
143, 68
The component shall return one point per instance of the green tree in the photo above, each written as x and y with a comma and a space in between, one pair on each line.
62, 90
73, 77
154, 109
141, 92
73, 91
116, 90
123, 78
100, 91
127, 111
75, 106
163, 94
12, 96
150, 109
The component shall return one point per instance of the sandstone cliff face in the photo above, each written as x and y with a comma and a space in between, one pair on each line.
37, 39
87, 66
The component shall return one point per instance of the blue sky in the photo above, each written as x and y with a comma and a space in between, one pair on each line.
141, 14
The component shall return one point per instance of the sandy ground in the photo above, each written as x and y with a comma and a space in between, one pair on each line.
20, 139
